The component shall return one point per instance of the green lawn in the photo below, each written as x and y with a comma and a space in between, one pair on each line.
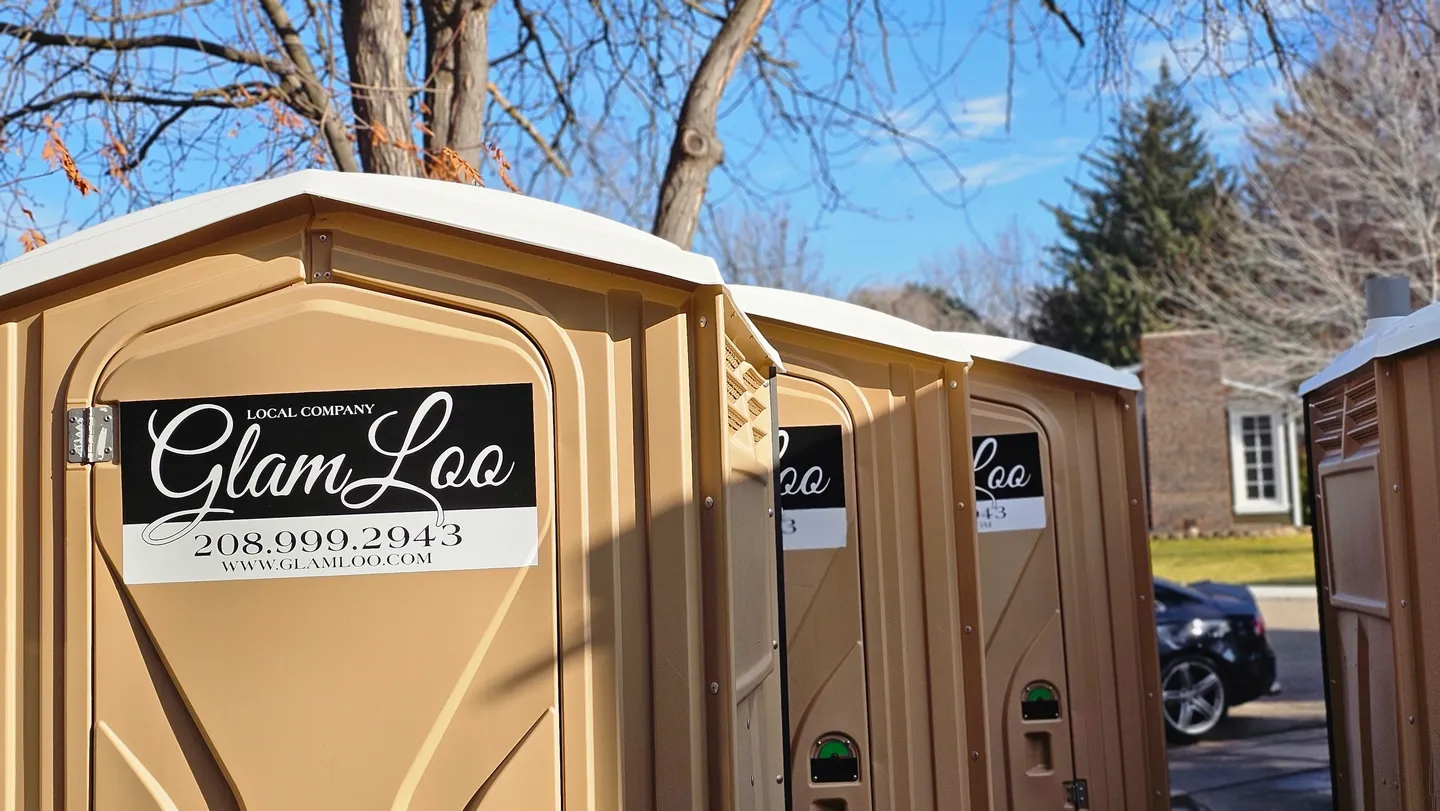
1281, 560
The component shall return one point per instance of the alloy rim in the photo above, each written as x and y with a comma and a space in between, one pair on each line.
1194, 697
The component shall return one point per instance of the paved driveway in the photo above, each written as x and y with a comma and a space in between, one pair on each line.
1271, 754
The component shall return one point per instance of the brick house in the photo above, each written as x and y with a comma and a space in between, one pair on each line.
1221, 455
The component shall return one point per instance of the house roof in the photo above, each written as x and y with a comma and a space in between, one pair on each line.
844, 319
1044, 359
499, 214
1416, 329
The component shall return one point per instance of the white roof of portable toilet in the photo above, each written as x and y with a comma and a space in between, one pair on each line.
1043, 359
1416, 329
499, 214
844, 319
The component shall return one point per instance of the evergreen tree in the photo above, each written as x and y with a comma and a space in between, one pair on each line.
1158, 204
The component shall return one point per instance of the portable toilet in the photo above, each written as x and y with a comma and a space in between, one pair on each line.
1071, 654
1373, 418
363, 492
882, 604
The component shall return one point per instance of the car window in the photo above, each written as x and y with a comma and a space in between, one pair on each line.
1166, 597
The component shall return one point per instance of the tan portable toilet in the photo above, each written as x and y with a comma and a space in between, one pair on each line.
1374, 435
1071, 655
886, 682
422, 496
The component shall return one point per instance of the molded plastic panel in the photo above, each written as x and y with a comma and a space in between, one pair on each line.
882, 604
1024, 630
823, 611
1067, 590
269, 690
632, 664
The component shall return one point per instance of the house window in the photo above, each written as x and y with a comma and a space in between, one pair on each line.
1260, 454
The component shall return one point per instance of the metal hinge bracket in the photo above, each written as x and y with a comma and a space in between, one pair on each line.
1077, 794
91, 434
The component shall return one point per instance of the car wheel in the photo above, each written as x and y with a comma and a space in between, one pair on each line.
1194, 698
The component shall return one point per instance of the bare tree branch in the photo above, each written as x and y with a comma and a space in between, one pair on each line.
996, 281
316, 100
598, 102
764, 247
697, 149
1344, 184
143, 151
146, 15
530, 129
121, 44
233, 97
1064, 18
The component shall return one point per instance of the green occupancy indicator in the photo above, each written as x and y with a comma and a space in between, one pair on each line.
835, 747
1039, 692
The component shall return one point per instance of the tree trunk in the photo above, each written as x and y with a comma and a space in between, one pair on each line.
375, 45
458, 61
697, 149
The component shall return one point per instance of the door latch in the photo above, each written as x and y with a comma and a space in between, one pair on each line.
1077, 795
91, 434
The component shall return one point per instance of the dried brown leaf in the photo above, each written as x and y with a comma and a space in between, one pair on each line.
31, 238
502, 166
454, 168
283, 119
57, 154
115, 154
379, 136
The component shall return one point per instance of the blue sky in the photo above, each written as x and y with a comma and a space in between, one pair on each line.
1055, 114
1054, 117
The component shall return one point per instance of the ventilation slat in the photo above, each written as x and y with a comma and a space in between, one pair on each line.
733, 356
742, 382
734, 390
1327, 421
1362, 413
1346, 417
736, 419
1367, 413
1365, 434
1359, 392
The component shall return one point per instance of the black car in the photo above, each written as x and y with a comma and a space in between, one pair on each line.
1214, 654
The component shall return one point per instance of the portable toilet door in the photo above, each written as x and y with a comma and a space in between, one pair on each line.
423, 496
1373, 425
882, 605
1071, 658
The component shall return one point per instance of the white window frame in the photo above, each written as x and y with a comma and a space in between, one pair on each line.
1280, 426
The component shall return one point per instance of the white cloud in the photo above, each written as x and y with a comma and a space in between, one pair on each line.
929, 128
984, 116
1009, 169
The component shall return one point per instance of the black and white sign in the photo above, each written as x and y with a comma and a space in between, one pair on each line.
1009, 488
812, 487
328, 483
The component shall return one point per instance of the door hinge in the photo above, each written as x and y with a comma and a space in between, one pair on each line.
91, 433
1077, 794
